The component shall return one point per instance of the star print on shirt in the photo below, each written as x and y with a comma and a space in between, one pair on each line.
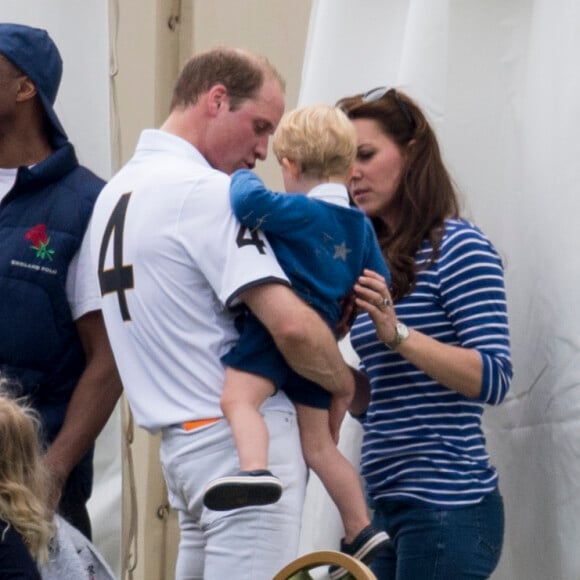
341, 252
259, 221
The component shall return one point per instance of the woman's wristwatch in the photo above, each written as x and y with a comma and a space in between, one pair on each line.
402, 334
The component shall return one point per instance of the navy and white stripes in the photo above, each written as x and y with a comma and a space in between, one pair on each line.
423, 442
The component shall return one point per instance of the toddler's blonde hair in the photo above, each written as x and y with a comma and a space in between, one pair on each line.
320, 138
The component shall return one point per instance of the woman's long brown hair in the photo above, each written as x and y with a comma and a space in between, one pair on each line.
425, 196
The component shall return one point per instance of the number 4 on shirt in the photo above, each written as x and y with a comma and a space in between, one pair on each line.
249, 237
120, 277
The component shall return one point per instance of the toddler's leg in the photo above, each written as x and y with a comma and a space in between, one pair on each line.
342, 483
241, 400
242, 397
334, 470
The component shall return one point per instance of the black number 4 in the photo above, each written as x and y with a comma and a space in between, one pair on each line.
120, 277
249, 237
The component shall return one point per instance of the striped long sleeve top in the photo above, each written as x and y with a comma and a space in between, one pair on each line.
423, 442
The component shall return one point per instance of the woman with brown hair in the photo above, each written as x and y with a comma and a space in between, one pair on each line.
435, 348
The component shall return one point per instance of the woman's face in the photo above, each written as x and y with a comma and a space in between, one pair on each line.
377, 170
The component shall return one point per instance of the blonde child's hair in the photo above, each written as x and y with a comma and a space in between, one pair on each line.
23, 476
320, 138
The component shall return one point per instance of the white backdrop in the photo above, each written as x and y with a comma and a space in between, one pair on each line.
81, 32
500, 80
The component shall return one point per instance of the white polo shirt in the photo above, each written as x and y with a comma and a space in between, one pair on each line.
171, 256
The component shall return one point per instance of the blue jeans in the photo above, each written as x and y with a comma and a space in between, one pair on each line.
439, 544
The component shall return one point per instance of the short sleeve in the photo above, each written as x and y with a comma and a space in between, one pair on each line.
232, 257
82, 285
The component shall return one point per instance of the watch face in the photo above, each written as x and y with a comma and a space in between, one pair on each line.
402, 332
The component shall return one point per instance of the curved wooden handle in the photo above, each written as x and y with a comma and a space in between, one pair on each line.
326, 557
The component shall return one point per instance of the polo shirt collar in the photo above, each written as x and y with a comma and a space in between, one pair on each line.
331, 192
158, 140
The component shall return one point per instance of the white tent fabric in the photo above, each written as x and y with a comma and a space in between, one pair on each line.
501, 83
81, 32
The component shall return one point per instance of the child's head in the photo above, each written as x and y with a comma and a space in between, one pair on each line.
319, 139
23, 480
19, 434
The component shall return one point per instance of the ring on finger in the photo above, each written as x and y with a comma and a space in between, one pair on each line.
383, 304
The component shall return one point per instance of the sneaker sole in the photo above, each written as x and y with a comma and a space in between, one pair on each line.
228, 493
366, 554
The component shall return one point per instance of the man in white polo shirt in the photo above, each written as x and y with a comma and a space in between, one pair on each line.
172, 261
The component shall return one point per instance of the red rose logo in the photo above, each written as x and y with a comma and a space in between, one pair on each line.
39, 239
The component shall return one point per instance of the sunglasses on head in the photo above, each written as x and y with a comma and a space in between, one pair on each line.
378, 93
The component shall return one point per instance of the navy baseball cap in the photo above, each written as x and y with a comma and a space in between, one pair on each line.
35, 54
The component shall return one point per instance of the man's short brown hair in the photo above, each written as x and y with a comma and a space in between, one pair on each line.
241, 72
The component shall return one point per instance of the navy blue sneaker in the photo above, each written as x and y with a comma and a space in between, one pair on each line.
258, 487
364, 547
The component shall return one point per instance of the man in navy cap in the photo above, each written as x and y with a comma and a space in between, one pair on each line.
53, 344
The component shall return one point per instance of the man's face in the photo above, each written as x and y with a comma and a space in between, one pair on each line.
240, 137
9, 79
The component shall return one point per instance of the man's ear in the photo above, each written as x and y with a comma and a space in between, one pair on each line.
217, 98
26, 89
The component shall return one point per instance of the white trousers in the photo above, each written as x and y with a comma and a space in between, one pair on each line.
250, 543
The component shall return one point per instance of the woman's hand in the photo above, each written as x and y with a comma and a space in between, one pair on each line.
455, 367
373, 296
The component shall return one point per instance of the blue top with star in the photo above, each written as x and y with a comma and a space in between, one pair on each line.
321, 242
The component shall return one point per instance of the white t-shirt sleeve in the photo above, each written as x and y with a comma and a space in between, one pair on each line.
232, 258
82, 284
